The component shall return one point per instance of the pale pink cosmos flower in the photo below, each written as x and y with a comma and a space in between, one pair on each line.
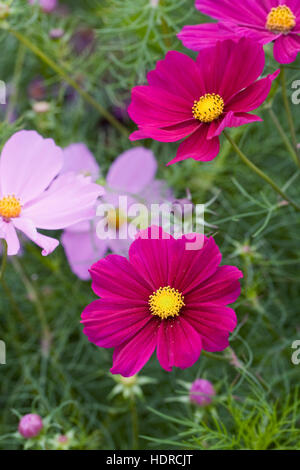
132, 174
33, 196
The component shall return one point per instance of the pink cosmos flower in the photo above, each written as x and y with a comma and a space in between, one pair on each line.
133, 175
164, 297
264, 21
31, 197
202, 392
30, 425
198, 100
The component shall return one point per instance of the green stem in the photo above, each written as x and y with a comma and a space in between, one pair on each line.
165, 29
135, 425
6, 288
260, 173
4, 259
216, 357
15, 307
242, 369
288, 109
284, 137
16, 81
32, 294
60, 71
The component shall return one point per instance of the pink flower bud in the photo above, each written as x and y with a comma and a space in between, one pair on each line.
30, 425
37, 89
46, 5
201, 392
56, 33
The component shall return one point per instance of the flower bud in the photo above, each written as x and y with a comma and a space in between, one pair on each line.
56, 33
41, 107
46, 5
201, 392
30, 425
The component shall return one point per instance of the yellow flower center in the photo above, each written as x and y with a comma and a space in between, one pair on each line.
10, 207
116, 219
166, 302
208, 108
281, 20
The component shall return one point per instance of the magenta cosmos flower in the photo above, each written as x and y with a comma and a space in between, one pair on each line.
30, 425
33, 197
264, 21
132, 174
199, 99
164, 297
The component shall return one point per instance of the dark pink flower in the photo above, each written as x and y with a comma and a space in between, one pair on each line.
202, 392
165, 297
264, 21
30, 425
198, 100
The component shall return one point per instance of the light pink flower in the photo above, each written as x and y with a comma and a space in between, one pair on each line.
164, 298
79, 159
264, 21
132, 174
33, 197
196, 101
